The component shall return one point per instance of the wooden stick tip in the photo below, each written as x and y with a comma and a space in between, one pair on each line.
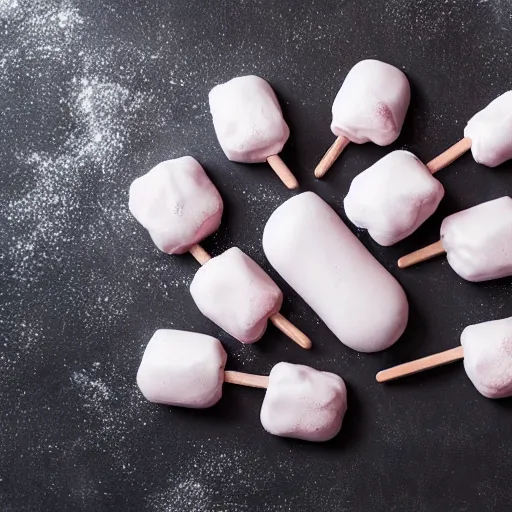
290, 330
402, 263
380, 377
306, 343
320, 172
282, 170
292, 185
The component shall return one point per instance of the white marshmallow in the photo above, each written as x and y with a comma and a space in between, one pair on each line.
393, 197
488, 357
371, 104
247, 119
478, 241
177, 203
303, 403
182, 368
490, 131
233, 291
308, 244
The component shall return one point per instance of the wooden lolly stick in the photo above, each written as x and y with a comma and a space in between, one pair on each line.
281, 169
420, 365
286, 327
282, 323
246, 379
331, 156
450, 155
431, 251
199, 254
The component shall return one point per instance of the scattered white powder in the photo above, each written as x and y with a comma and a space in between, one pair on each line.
186, 495
68, 198
218, 476
113, 411
8, 8
47, 210
502, 9
93, 392
195, 491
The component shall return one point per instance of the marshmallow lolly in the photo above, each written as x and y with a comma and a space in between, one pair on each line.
487, 134
487, 352
370, 106
313, 250
249, 124
394, 196
186, 369
179, 206
300, 402
477, 242
230, 281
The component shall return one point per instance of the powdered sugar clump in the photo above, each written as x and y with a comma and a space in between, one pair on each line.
93, 391
186, 495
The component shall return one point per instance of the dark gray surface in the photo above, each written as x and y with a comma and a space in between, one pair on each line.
93, 94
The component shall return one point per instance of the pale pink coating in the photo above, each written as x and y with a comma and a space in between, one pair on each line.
182, 368
478, 241
313, 250
371, 104
488, 357
177, 203
393, 197
247, 119
234, 292
490, 131
303, 403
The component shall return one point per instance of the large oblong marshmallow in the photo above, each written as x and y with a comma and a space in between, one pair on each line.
488, 357
478, 241
313, 250
247, 119
303, 403
233, 291
490, 131
177, 203
371, 104
182, 368
393, 197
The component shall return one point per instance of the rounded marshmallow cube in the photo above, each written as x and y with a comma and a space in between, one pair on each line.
303, 403
393, 197
182, 368
313, 250
247, 119
478, 241
488, 357
490, 131
233, 291
371, 104
177, 203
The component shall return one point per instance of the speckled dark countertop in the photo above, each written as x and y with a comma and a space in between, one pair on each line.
93, 94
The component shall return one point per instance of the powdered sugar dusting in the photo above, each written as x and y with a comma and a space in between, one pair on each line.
194, 492
8, 8
113, 411
48, 208
187, 493
93, 392
72, 198
501, 8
